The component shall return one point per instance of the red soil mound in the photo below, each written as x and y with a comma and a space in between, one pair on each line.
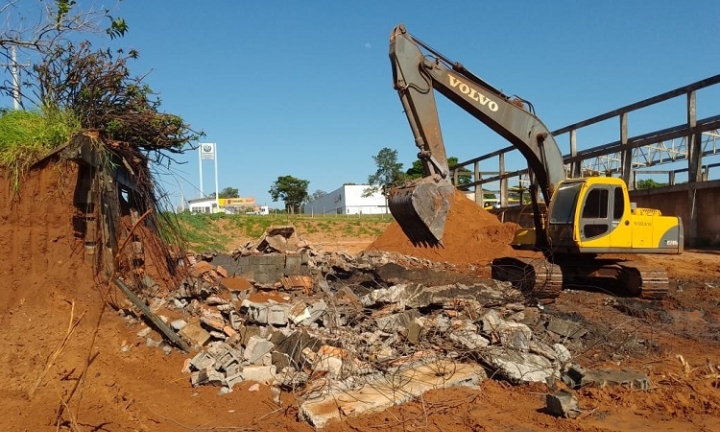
472, 236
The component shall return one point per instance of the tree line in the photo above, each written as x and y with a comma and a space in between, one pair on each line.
389, 173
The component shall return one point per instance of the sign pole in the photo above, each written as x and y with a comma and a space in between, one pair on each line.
202, 193
217, 192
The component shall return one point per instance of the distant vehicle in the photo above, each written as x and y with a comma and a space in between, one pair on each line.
262, 210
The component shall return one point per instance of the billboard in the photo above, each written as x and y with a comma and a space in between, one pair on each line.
207, 151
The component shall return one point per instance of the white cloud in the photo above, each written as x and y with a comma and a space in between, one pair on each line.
368, 45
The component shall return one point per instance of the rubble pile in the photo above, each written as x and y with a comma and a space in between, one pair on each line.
348, 330
280, 239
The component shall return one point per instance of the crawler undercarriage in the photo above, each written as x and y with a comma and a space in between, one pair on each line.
544, 279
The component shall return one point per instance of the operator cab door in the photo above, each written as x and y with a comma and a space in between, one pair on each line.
602, 218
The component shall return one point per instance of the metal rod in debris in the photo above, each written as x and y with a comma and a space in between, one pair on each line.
167, 331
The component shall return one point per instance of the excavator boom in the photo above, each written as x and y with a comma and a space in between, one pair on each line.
421, 208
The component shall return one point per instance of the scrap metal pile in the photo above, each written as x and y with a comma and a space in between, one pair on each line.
345, 331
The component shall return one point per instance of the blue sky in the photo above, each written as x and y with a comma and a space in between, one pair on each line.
304, 88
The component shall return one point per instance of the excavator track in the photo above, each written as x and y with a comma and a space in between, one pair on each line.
538, 277
644, 280
544, 280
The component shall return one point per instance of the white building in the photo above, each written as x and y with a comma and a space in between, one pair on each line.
348, 199
203, 205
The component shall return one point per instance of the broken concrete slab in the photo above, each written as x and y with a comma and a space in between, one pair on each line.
514, 335
610, 378
489, 292
469, 339
306, 314
397, 321
566, 328
518, 367
379, 392
394, 273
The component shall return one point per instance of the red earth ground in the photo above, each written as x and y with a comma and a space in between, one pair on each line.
66, 369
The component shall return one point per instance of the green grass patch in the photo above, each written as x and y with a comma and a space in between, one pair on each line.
26, 136
203, 234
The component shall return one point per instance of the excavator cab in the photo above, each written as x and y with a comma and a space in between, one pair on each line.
594, 215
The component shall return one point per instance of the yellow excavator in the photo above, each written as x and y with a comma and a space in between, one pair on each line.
575, 219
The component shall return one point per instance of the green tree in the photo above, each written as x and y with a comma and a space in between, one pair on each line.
96, 85
228, 192
417, 171
649, 184
389, 172
318, 194
291, 190
32, 29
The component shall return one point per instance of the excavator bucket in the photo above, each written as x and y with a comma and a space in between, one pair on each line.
421, 209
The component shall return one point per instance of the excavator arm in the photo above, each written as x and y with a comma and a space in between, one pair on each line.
421, 208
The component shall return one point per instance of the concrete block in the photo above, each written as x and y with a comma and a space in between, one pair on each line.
178, 324
266, 313
195, 334
278, 315
261, 374
314, 311
256, 348
398, 321
226, 360
235, 378
562, 404
207, 376
202, 360
414, 330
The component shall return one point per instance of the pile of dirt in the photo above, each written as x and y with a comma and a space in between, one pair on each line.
472, 236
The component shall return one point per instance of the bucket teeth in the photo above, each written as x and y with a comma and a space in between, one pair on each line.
421, 210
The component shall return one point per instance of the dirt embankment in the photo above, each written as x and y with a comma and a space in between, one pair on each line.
472, 236
72, 364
